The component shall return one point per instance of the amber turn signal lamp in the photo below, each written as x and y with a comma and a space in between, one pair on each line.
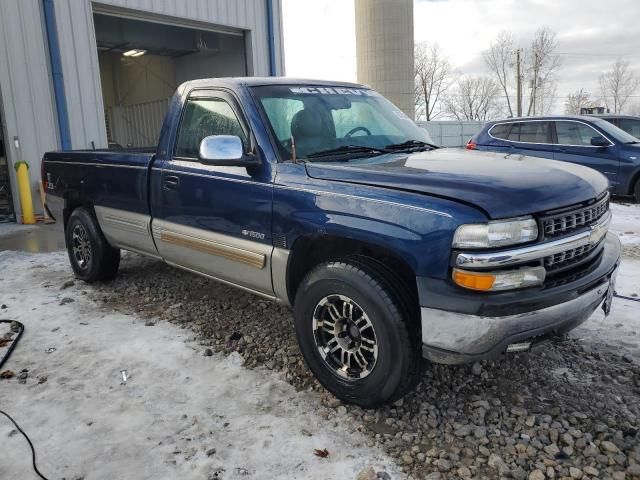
473, 280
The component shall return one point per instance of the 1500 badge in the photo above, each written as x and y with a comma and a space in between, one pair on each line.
249, 233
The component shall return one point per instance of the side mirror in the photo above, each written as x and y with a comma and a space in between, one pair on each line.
225, 150
599, 141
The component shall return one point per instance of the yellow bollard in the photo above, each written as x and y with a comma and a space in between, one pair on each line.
24, 187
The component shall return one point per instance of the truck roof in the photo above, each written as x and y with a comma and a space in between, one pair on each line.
232, 82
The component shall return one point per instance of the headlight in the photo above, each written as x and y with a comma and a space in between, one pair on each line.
496, 234
499, 280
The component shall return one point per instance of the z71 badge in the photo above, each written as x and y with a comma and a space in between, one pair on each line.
49, 184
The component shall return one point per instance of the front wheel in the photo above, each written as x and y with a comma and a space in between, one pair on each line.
356, 334
92, 258
636, 191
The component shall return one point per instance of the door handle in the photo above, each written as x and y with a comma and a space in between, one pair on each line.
171, 182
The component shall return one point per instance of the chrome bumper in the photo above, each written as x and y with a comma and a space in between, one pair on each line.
452, 338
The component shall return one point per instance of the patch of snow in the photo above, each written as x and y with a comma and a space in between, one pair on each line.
178, 415
626, 224
620, 331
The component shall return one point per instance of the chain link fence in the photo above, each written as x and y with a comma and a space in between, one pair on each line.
451, 133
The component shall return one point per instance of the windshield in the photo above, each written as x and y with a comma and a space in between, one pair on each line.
615, 132
316, 121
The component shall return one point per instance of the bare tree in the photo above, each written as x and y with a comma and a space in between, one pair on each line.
542, 64
546, 98
433, 78
576, 101
617, 85
474, 98
538, 65
499, 59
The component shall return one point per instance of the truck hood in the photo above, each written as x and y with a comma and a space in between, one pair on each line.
502, 185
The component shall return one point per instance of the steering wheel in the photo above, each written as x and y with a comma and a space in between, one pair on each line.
351, 132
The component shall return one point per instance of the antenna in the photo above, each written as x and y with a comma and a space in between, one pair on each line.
293, 150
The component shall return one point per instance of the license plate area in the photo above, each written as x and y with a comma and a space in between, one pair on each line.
611, 290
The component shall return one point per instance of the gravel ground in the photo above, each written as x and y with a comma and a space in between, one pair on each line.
568, 409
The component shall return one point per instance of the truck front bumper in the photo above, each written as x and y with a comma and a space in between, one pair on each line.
460, 326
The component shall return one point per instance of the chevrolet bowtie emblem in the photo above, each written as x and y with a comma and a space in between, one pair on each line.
598, 231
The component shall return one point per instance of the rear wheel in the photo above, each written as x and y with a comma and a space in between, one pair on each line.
356, 336
92, 258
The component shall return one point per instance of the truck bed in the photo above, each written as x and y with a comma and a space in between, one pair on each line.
114, 183
111, 178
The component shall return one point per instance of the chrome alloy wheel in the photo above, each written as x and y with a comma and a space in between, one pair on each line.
81, 246
345, 337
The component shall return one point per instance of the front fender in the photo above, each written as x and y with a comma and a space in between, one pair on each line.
417, 228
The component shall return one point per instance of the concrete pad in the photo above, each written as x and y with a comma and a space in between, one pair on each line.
38, 238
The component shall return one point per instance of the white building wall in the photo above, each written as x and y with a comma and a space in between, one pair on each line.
25, 89
79, 56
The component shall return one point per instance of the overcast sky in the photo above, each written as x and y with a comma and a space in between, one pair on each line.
591, 34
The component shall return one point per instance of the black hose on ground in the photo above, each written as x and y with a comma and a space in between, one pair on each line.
14, 342
626, 298
33, 450
15, 424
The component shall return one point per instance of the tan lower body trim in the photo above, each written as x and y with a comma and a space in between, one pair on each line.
253, 259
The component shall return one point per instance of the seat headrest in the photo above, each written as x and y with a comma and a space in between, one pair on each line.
306, 124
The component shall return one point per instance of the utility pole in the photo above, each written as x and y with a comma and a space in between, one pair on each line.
534, 90
518, 85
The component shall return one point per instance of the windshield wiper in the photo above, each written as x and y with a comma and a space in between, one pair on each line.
347, 149
411, 144
633, 142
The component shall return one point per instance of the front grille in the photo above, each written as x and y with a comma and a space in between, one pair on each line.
572, 274
568, 257
565, 222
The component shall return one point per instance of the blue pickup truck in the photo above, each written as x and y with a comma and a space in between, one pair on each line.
325, 197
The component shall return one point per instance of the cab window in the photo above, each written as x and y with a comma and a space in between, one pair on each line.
362, 117
204, 117
281, 113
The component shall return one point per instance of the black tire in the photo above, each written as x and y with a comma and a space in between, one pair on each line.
391, 373
92, 258
636, 191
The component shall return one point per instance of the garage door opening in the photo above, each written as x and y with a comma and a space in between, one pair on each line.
142, 63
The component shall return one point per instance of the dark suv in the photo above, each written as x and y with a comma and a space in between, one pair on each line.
586, 140
628, 123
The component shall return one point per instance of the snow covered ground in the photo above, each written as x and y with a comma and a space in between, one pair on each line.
621, 330
179, 414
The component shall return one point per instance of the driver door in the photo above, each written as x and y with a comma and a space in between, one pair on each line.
215, 220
